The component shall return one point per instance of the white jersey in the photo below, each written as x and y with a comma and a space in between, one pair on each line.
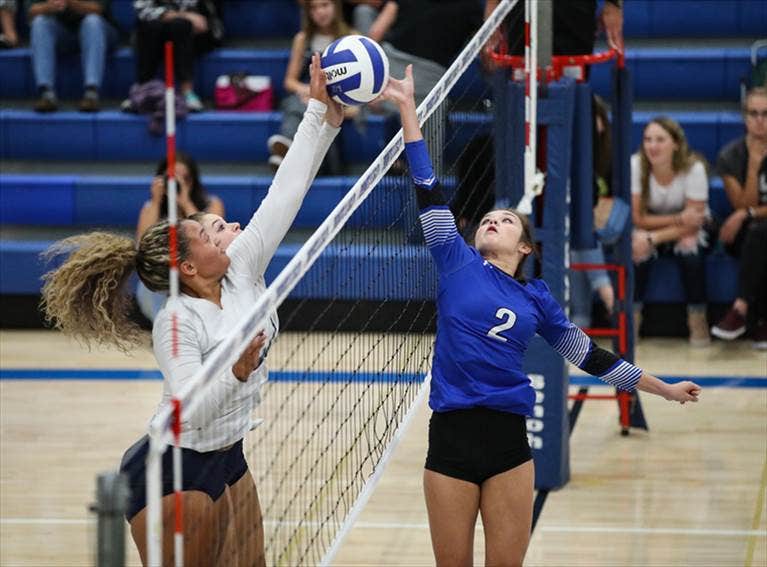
225, 415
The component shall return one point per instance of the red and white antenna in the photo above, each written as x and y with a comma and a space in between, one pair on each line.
533, 178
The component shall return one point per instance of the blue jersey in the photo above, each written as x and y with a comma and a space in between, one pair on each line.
486, 319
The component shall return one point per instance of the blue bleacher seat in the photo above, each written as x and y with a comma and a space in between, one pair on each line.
232, 136
700, 74
686, 18
21, 269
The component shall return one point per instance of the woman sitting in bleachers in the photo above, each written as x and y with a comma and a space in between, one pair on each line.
322, 24
669, 194
194, 28
191, 198
743, 167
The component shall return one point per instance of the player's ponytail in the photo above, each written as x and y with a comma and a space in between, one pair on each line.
526, 238
88, 296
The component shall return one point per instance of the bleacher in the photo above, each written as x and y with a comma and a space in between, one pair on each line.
686, 61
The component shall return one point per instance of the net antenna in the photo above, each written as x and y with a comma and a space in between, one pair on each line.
192, 396
157, 446
534, 179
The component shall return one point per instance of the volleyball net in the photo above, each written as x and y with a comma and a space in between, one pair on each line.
357, 313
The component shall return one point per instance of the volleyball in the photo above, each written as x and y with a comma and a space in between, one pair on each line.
357, 69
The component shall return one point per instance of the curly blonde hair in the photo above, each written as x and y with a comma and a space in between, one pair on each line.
87, 295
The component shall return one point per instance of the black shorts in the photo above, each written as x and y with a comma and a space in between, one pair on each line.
209, 472
477, 443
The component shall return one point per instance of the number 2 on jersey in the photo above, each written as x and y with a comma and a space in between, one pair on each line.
510, 317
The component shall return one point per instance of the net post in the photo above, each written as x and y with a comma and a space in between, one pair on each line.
178, 530
111, 502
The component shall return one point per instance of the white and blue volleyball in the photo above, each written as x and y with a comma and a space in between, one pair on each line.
357, 69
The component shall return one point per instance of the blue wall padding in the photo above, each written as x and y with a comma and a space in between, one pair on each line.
582, 174
621, 102
556, 116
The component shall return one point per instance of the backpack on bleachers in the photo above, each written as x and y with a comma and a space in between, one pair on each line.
149, 98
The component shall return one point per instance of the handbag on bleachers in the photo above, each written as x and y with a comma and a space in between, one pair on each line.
244, 93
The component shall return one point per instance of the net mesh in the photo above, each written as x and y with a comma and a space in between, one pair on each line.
356, 337
340, 388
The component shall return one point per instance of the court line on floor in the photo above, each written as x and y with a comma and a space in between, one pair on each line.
757, 517
425, 526
291, 376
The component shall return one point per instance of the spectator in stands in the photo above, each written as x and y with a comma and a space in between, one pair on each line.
475, 192
583, 284
743, 167
191, 198
64, 26
8, 36
428, 34
194, 28
669, 201
362, 13
322, 24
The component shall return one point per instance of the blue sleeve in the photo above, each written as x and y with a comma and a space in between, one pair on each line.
448, 249
576, 346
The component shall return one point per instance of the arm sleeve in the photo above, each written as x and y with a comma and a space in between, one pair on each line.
148, 10
178, 371
447, 248
697, 183
253, 249
327, 134
576, 347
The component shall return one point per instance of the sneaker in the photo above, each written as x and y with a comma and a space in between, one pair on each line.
732, 325
274, 162
47, 101
90, 101
278, 145
193, 102
759, 336
698, 326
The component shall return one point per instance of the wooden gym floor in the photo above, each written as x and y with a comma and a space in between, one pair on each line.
689, 492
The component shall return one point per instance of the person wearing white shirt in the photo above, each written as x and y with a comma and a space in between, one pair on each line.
669, 201
86, 297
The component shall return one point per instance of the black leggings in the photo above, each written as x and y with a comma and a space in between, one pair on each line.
150, 48
692, 267
751, 247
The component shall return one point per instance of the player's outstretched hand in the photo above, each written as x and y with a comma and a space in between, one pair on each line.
250, 359
683, 392
318, 91
400, 91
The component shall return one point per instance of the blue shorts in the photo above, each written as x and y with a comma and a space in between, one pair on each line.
209, 472
477, 443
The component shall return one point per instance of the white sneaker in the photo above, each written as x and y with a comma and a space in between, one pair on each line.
278, 145
274, 162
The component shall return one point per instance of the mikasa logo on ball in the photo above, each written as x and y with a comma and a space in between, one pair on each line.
356, 68
337, 72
